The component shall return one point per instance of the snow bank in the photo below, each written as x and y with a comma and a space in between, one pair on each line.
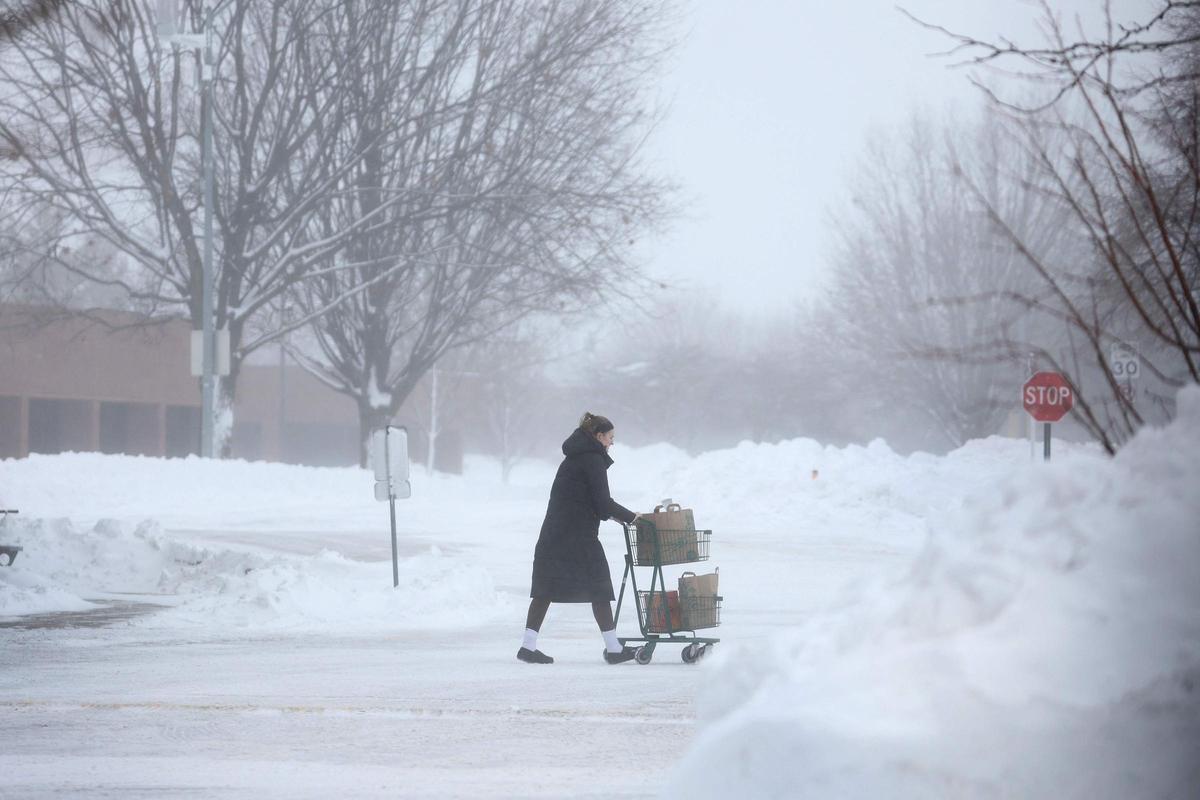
1045, 644
801, 483
23, 592
232, 495
59, 564
227, 588
763, 486
752, 489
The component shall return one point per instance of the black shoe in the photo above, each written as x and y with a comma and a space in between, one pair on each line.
627, 654
533, 656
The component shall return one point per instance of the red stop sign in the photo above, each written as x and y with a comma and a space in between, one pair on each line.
1047, 396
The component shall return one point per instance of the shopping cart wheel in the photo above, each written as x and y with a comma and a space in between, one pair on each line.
644, 654
691, 654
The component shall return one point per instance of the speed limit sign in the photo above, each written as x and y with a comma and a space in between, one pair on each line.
1124, 362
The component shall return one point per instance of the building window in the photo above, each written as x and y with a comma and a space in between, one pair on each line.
183, 431
129, 428
59, 426
10, 427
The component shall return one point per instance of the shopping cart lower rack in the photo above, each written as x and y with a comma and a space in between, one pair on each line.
667, 616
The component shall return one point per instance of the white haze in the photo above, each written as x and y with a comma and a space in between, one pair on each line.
769, 105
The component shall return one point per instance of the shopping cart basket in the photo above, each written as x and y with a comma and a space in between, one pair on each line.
665, 616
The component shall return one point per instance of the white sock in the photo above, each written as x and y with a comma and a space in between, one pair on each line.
610, 641
530, 640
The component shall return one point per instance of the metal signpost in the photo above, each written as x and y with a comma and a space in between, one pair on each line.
389, 459
1047, 397
208, 346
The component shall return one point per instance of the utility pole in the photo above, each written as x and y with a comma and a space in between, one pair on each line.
208, 379
433, 422
168, 17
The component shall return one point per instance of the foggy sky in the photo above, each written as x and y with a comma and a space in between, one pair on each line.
769, 104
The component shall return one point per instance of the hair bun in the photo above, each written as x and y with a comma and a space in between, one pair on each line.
593, 423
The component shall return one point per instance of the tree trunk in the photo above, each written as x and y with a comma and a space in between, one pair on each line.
370, 419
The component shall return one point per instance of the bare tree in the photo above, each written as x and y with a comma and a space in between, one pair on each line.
511, 393
923, 285
18, 18
692, 373
101, 118
516, 187
1115, 143
21, 276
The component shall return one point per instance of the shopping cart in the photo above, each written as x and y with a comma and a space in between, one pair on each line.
8, 552
665, 616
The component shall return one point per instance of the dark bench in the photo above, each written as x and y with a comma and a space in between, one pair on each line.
8, 552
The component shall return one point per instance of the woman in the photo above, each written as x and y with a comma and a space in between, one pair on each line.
569, 564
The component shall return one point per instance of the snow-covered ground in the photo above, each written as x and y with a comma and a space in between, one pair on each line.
975, 625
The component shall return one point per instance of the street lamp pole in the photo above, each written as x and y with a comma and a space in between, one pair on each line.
433, 423
208, 379
168, 21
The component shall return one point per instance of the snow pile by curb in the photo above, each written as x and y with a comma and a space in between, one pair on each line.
234, 495
60, 564
330, 591
1045, 644
868, 489
224, 587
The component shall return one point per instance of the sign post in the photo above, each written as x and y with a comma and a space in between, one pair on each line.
1047, 397
389, 458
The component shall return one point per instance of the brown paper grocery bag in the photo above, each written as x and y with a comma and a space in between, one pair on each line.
673, 528
692, 584
698, 600
674, 546
659, 611
668, 516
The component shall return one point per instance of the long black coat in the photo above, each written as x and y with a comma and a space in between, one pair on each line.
569, 564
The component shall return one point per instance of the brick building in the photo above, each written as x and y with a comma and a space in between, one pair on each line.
115, 382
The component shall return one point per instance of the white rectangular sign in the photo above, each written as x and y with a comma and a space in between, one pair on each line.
1124, 362
220, 354
389, 460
